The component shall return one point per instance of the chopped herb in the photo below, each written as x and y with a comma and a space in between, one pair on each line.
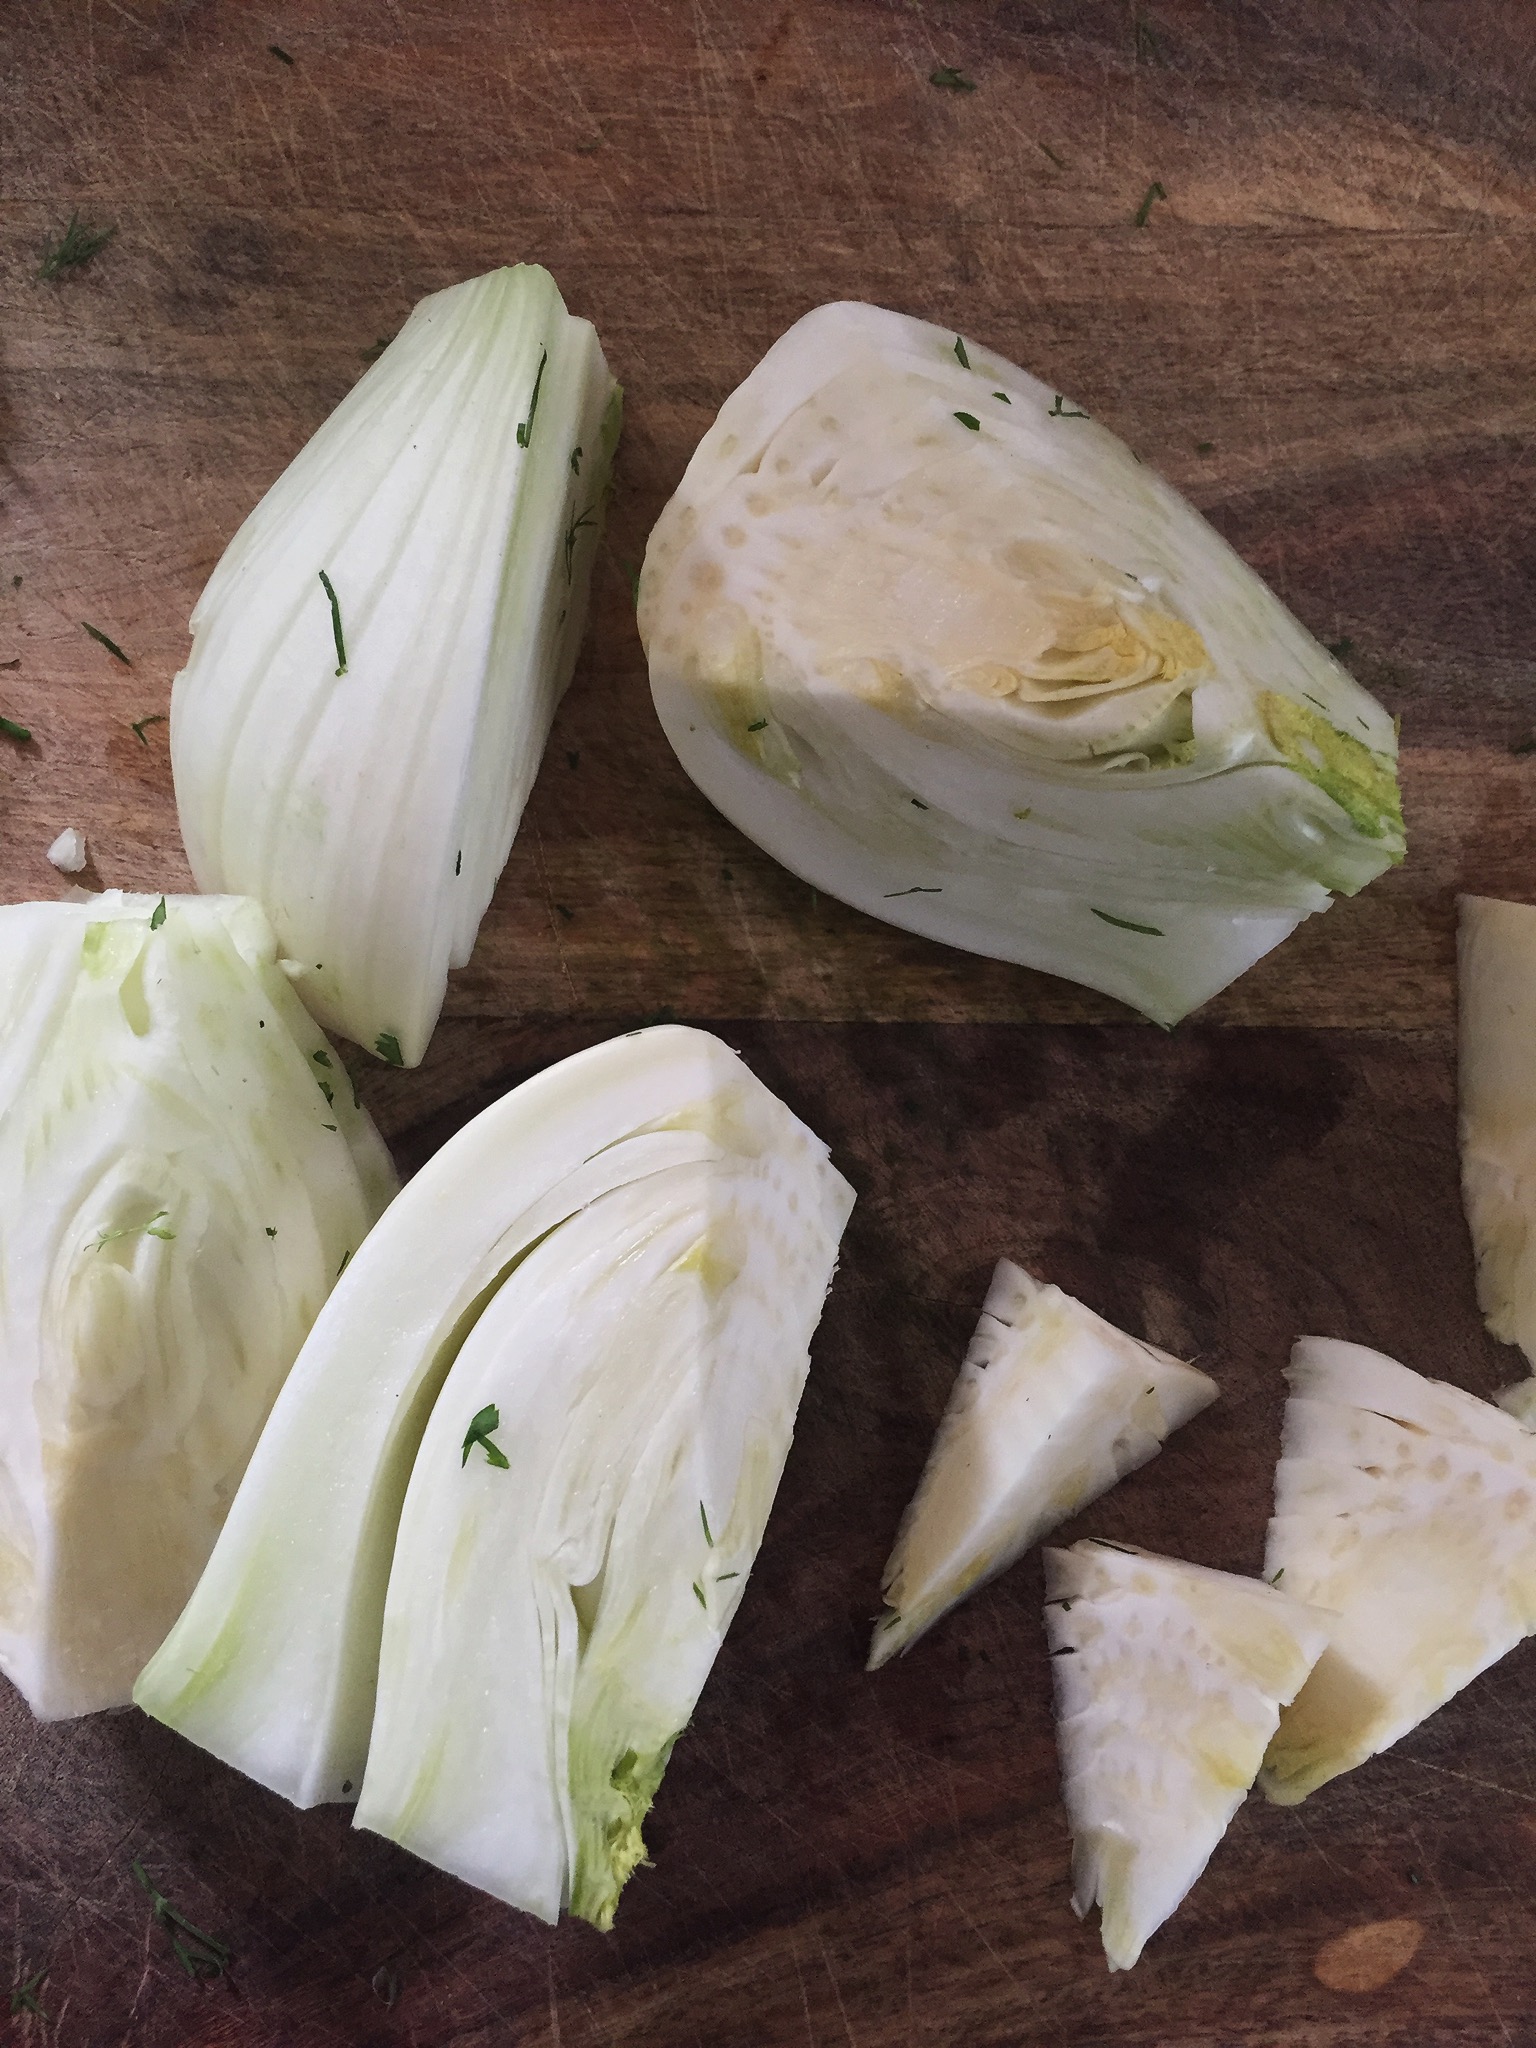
721, 1577
137, 728
341, 645
565, 911
1525, 746
111, 646
698, 1594
1153, 193
1279, 1575
1145, 39
13, 731
15, 583
960, 355
576, 462
757, 725
705, 1520
1126, 925
387, 1046
573, 758
24, 1997
969, 419
157, 916
1204, 447
1055, 159
525, 427
1062, 411
917, 800
1066, 1650
458, 861
14, 662
1314, 700
948, 79
479, 1432
371, 355
1003, 396
208, 1958
327, 1127
347, 1254
72, 251
271, 1232
1341, 649
575, 527
282, 56
321, 1059
1028, 812
328, 1092
917, 890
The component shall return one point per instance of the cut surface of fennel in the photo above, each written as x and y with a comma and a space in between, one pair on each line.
625, 1257
182, 1171
1169, 1682
1496, 993
1051, 1406
1408, 1508
454, 501
999, 683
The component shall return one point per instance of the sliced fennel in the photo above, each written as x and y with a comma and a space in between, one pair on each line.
1169, 1682
182, 1171
1051, 1406
1496, 983
948, 651
611, 1276
378, 656
1409, 1508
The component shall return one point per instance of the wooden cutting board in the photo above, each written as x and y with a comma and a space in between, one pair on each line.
1324, 335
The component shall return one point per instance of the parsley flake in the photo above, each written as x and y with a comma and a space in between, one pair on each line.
1153, 193
157, 916
705, 1520
341, 645
24, 1997
387, 1046
276, 50
960, 355
1125, 924
13, 731
111, 646
73, 249
200, 1955
525, 427
139, 724
1062, 411
757, 725
948, 79
969, 419
479, 1432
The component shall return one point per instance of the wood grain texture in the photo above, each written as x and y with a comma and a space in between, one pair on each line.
1337, 295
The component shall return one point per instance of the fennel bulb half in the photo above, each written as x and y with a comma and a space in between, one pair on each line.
1169, 1682
545, 1412
183, 1169
941, 645
377, 657
1496, 989
1408, 1507
1051, 1406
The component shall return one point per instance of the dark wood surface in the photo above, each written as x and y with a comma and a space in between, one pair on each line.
1338, 296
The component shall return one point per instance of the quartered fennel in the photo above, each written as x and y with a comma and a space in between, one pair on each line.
941, 644
1051, 1406
183, 1171
378, 655
1408, 1508
1169, 1683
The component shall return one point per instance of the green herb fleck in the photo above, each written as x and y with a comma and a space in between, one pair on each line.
1059, 162
1204, 447
1003, 396
1525, 746
573, 758
1028, 812
73, 249
458, 861
153, 1228
757, 725
1314, 700
1341, 650
1153, 193
328, 1092
1125, 924
1279, 1575
276, 50
1062, 411
588, 518
1145, 39
347, 1254
200, 1955
321, 1059
918, 803
948, 79
271, 1232
24, 1997
387, 1046
705, 1520
721, 1577
576, 462
479, 1432
525, 427
139, 724
111, 646
327, 1127
916, 890
698, 1594
13, 731
371, 355
960, 355
632, 575
565, 911
157, 916
969, 419
341, 645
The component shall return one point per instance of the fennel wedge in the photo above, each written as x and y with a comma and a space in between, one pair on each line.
378, 655
535, 1440
943, 647
182, 1171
